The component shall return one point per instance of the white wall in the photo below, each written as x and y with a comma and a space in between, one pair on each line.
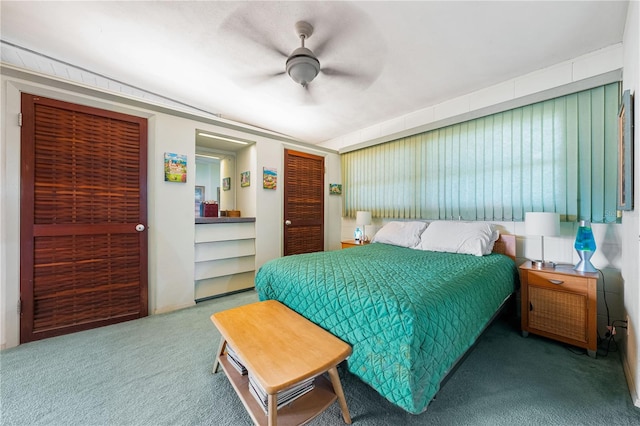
246, 196
3, 228
171, 232
631, 220
170, 205
269, 220
333, 207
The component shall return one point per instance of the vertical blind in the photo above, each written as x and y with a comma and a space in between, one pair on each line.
559, 155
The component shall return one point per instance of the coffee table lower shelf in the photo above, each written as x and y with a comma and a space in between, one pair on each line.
298, 412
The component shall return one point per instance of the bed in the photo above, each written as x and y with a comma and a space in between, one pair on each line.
409, 313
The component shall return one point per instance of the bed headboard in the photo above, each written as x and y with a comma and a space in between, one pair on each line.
506, 245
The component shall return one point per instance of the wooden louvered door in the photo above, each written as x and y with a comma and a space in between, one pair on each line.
303, 203
83, 218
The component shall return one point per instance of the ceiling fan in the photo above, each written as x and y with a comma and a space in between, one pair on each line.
302, 65
340, 28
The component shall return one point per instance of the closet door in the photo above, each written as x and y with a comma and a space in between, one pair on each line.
303, 203
83, 218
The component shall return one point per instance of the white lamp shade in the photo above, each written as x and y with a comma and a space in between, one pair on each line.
363, 218
544, 224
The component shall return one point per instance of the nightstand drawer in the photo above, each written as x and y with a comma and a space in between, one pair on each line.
558, 281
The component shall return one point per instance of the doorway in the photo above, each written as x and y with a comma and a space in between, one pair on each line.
83, 218
303, 203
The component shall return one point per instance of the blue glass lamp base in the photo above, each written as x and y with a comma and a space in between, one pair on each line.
585, 262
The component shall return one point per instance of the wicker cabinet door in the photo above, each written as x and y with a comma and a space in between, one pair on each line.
558, 312
83, 218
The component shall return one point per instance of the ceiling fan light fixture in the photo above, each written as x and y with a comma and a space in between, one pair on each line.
303, 66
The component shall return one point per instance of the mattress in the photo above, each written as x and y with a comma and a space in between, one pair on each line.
408, 314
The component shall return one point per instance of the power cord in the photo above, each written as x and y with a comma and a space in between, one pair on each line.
604, 344
609, 339
604, 296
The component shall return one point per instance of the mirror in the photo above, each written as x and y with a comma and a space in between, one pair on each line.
216, 168
207, 180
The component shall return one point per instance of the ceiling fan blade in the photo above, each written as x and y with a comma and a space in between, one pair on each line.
338, 73
358, 79
239, 24
320, 48
256, 79
304, 95
309, 99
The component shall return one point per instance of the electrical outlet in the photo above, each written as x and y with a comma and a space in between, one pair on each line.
628, 325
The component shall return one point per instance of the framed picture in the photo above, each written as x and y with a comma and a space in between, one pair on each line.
625, 152
335, 188
269, 178
226, 184
245, 179
175, 167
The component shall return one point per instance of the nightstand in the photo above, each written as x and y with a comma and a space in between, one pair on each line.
561, 304
353, 243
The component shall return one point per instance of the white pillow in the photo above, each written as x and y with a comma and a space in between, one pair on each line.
404, 234
476, 238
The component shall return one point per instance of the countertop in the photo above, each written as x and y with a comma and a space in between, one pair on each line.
205, 220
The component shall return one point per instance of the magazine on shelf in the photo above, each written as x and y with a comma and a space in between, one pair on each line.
284, 397
235, 361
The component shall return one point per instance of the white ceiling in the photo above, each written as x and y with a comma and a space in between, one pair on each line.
221, 57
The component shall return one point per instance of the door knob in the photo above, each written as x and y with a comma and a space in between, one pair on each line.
287, 222
139, 227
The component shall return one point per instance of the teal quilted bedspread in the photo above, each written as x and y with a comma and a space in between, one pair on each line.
408, 314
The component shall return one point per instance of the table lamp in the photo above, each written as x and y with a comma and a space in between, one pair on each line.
543, 224
363, 218
585, 245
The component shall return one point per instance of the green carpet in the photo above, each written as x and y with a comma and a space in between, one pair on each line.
157, 371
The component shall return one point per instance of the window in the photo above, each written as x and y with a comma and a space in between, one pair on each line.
559, 155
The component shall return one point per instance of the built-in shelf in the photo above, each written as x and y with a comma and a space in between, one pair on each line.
225, 231
224, 256
225, 249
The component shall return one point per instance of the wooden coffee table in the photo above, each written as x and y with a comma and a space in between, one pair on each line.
281, 348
